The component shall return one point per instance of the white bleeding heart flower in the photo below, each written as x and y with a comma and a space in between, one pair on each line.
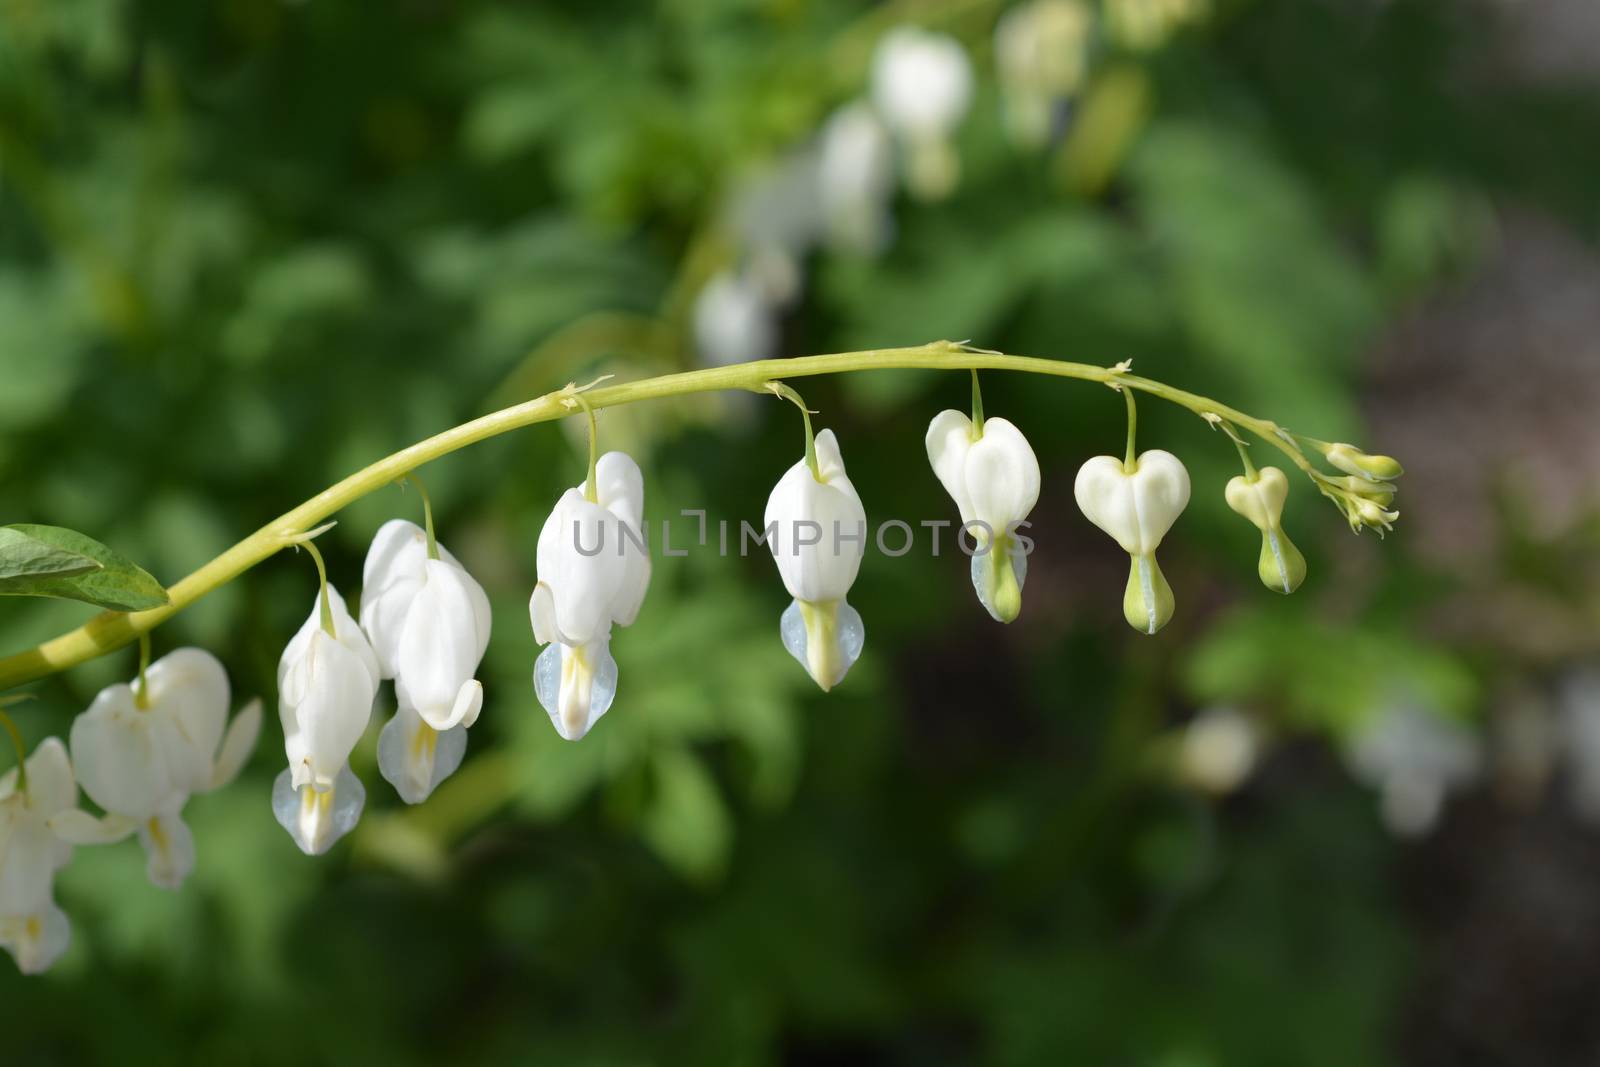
140, 754
428, 621
593, 571
1137, 507
734, 320
414, 758
317, 818
1041, 53
922, 87
855, 179
993, 476
1260, 499
816, 530
32, 928
327, 680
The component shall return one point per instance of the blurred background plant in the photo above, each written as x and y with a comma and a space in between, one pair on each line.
249, 246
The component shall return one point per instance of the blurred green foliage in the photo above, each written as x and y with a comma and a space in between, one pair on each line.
249, 246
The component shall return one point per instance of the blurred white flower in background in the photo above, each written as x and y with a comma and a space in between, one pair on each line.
776, 218
734, 321
1041, 53
922, 86
1145, 24
1416, 758
855, 180
1220, 749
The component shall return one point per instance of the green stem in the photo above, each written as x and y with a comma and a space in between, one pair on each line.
779, 389
427, 515
141, 699
111, 630
591, 488
322, 578
1250, 474
1131, 462
22, 753
977, 407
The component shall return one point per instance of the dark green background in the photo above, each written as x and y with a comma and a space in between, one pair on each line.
248, 246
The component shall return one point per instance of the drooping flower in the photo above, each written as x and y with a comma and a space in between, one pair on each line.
993, 476
734, 320
429, 625
327, 680
855, 179
593, 571
1416, 757
140, 754
1041, 52
32, 928
922, 86
1260, 499
811, 518
1137, 505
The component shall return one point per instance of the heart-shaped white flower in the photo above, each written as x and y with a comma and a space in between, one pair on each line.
1260, 499
1137, 507
993, 477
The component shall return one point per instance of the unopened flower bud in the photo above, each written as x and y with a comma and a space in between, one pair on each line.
1137, 507
1380, 493
1260, 499
1352, 460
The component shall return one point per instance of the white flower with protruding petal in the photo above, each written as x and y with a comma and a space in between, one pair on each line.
317, 818
414, 758
922, 86
326, 684
140, 759
429, 625
817, 530
1137, 507
32, 928
993, 476
593, 571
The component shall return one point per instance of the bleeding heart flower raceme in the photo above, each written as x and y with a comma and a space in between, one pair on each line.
32, 928
1259, 497
140, 753
593, 571
991, 473
327, 679
428, 621
1137, 503
812, 516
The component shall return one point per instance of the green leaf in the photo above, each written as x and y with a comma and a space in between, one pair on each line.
115, 582
23, 558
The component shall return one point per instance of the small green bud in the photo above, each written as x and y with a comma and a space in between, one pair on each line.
1281, 566
1352, 460
1371, 514
1380, 493
1147, 602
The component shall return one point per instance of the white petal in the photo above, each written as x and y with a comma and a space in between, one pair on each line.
1002, 476
414, 757
28, 864
189, 698
329, 697
826, 639
576, 686
949, 439
237, 745
38, 939
316, 820
440, 645
51, 787
635, 583
1105, 495
542, 610
168, 848
582, 567
1161, 492
800, 510
120, 755
77, 827
619, 487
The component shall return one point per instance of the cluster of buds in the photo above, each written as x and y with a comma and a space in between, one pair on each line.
1366, 491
